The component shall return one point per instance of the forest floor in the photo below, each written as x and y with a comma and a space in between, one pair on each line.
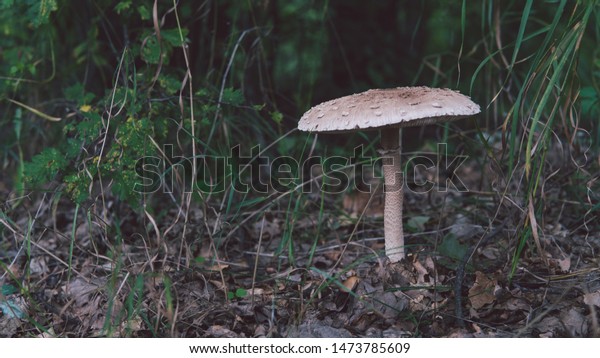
82, 273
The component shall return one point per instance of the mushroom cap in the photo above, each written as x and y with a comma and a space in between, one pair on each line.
396, 107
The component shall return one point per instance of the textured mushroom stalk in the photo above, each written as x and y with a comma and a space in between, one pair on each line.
394, 193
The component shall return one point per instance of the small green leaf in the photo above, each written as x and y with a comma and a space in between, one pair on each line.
8, 290
6, 4
122, 5
78, 94
417, 223
170, 84
233, 96
452, 248
151, 51
277, 117
240, 293
172, 36
43, 167
144, 12
11, 309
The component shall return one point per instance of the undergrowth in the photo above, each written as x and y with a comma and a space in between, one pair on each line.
99, 98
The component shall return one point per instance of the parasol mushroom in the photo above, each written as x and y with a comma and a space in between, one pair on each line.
389, 110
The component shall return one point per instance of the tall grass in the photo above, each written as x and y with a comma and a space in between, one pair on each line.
547, 86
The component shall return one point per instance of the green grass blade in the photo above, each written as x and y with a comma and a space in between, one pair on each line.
522, 26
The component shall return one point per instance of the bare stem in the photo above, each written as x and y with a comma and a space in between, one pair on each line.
391, 142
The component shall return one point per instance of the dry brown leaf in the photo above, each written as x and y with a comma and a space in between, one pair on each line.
564, 264
258, 291
517, 304
429, 264
355, 203
219, 331
89, 302
81, 290
134, 324
491, 253
574, 322
218, 267
592, 299
273, 228
39, 265
482, 291
260, 331
47, 334
218, 284
332, 255
548, 326
350, 283
421, 271
12, 270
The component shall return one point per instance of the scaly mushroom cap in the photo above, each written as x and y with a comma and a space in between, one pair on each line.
396, 107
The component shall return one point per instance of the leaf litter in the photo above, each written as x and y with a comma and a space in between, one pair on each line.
263, 282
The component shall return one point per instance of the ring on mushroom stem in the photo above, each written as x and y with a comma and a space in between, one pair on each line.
389, 110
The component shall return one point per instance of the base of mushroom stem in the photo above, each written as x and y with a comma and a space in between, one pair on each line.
393, 258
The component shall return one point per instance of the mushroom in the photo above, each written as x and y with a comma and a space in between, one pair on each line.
389, 110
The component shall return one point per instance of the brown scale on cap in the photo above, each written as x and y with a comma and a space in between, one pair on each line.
389, 109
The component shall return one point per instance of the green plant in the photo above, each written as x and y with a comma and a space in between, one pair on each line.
238, 293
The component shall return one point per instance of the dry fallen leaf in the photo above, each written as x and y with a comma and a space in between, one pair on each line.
421, 271
219, 331
350, 283
88, 303
574, 322
564, 264
355, 203
548, 326
81, 290
592, 299
482, 291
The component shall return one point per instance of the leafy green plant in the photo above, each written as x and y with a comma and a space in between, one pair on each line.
8, 289
238, 293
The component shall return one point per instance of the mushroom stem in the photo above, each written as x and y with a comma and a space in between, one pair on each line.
391, 143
